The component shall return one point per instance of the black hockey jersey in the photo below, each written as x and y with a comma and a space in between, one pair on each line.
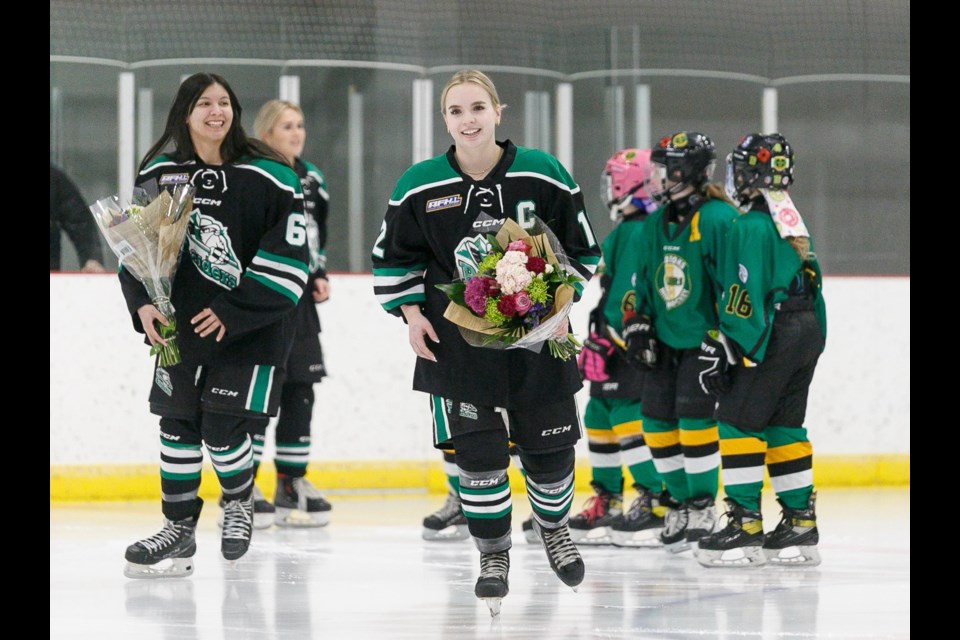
432, 215
245, 257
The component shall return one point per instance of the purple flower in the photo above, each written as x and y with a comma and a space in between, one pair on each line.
475, 294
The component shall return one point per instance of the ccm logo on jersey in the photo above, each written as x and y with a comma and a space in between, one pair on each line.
490, 222
444, 203
224, 392
557, 430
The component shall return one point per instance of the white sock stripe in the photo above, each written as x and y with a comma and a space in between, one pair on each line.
745, 475
791, 481
499, 496
702, 465
636, 456
239, 463
667, 465
181, 467
177, 452
605, 460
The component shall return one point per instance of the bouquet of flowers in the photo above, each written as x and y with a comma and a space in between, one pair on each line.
146, 233
516, 290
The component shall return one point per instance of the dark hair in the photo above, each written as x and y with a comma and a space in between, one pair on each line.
235, 145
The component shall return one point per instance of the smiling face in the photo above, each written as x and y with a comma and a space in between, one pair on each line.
288, 135
470, 116
211, 117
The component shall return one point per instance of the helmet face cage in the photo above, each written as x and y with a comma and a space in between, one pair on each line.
623, 181
686, 158
759, 162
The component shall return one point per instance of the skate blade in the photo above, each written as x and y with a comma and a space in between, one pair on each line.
677, 547
596, 536
264, 521
494, 605
741, 557
453, 533
294, 518
171, 568
793, 556
644, 539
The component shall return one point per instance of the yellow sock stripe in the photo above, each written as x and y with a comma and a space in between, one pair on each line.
742, 446
787, 452
602, 436
662, 440
627, 429
690, 438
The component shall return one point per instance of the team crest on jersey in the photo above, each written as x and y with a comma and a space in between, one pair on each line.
672, 282
174, 178
742, 273
211, 250
438, 204
162, 379
468, 255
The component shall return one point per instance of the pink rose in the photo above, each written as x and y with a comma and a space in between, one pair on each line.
519, 245
522, 302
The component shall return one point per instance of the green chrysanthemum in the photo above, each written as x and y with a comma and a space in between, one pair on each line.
490, 262
492, 314
538, 290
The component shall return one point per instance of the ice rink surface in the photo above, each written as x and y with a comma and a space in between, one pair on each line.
368, 574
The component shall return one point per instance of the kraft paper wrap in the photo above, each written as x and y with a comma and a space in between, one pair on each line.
509, 232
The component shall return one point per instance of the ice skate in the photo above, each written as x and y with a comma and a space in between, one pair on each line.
701, 518
237, 528
642, 524
529, 533
794, 542
674, 534
447, 522
167, 554
601, 512
562, 553
739, 544
299, 504
263, 510
492, 585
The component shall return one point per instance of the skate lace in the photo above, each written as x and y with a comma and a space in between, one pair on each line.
450, 508
237, 520
494, 565
595, 507
560, 546
639, 506
164, 538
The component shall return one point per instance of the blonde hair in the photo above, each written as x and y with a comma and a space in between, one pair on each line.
476, 77
269, 114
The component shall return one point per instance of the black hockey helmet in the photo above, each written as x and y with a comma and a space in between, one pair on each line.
687, 159
759, 162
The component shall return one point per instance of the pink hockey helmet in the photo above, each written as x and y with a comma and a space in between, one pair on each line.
623, 179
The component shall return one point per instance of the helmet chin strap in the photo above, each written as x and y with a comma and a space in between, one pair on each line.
676, 191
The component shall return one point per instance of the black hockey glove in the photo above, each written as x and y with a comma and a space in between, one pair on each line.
642, 345
717, 355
